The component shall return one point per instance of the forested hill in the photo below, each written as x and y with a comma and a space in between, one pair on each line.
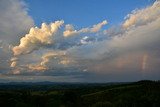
136, 94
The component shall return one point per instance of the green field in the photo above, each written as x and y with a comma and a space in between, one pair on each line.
137, 94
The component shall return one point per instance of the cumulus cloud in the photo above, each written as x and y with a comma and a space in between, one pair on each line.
37, 37
56, 59
85, 40
13, 62
143, 16
95, 28
14, 20
131, 49
143, 38
38, 68
50, 60
43, 37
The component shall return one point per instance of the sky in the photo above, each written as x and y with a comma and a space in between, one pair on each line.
83, 12
79, 40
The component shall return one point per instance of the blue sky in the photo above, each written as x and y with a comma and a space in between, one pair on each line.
83, 12
79, 40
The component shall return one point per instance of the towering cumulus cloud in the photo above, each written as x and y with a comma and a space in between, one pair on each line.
37, 38
70, 29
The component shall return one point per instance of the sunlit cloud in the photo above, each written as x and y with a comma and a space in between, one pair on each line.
143, 16
126, 49
95, 28
37, 38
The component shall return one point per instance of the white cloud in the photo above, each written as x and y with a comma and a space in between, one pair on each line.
13, 64
126, 50
95, 28
14, 20
84, 40
143, 16
130, 49
37, 37
56, 59
14, 61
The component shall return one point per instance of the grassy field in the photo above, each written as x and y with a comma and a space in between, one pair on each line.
137, 94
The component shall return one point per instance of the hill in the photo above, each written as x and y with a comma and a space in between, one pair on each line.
136, 94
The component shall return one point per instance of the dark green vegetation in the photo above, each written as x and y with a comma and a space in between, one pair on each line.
137, 94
